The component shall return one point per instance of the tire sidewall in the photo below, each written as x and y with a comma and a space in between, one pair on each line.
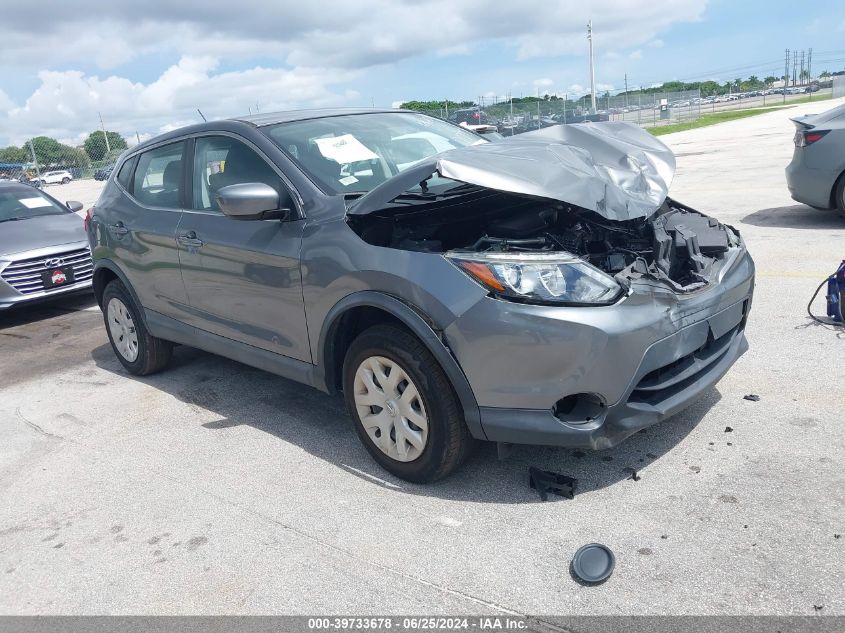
370, 343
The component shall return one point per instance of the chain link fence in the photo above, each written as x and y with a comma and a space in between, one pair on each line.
514, 116
43, 161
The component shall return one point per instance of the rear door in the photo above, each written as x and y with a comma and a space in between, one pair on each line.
141, 225
243, 277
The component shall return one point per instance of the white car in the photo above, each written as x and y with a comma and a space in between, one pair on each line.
56, 177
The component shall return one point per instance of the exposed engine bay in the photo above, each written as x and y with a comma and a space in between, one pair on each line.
677, 245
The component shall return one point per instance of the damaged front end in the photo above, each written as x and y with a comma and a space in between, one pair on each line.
542, 220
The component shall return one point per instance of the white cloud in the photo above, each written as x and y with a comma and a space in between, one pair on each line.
637, 54
577, 89
658, 43
600, 87
66, 104
545, 82
311, 53
313, 34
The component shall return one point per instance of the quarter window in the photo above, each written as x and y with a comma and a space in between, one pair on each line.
220, 161
158, 177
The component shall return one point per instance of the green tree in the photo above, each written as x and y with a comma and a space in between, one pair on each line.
770, 80
95, 144
14, 154
51, 153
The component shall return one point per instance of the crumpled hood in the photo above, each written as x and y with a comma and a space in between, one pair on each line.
616, 169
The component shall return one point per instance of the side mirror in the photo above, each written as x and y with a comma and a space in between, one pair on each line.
74, 206
253, 201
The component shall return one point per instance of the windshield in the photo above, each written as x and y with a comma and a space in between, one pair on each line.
27, 202
355, 153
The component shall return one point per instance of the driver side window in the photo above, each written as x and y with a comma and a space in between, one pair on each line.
220, 161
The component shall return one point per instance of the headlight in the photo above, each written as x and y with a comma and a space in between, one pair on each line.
539, 277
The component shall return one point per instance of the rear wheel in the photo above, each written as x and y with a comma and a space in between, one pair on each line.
65, 180
839, 194
136, 349
405, 410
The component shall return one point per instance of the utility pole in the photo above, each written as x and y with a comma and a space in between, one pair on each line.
810, 66
785, 75
105, 136
626, 90
801, 74
810, 70
34, 159
794, 67
137, 137
592, 69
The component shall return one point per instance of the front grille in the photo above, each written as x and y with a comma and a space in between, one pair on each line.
24, 275
664, 382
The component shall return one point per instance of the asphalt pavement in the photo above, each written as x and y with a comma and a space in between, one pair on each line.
216, 488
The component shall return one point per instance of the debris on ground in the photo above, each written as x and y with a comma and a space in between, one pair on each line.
752, 396
837, 536
633, 474
545, 481
593, 563
818, 607
728, 429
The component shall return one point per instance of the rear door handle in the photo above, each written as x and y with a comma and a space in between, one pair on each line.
189, 239
118, 228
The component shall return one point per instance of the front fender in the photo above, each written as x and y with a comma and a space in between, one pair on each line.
418, 323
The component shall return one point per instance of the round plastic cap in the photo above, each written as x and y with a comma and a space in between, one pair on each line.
593, 563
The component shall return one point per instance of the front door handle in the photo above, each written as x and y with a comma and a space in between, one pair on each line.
189, 239
118, 229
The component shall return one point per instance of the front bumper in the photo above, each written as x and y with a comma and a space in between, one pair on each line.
634, 363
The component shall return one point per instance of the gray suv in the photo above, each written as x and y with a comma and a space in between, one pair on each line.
539, 290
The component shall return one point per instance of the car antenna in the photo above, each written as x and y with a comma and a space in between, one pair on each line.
202, 115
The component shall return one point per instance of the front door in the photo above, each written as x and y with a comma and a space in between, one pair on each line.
242, 277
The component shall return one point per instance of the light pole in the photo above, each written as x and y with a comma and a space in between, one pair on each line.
592, 68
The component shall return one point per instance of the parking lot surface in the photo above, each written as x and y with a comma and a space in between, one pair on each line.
216, 488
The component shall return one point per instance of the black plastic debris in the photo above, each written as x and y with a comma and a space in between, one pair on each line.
837, 536
728, 429
593, 563
545, 482
632, 474
752, 396
818, 607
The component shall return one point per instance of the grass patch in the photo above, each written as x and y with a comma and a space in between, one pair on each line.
729, 115
709, 119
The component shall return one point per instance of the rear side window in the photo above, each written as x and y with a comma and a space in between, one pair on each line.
158, 177
125, 173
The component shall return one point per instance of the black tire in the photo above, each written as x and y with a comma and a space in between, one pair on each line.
839, 194
449, 442
65, 180
153, 353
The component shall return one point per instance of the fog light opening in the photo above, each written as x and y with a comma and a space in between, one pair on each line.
579, 408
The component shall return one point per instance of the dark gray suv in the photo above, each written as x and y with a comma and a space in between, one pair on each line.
541, 289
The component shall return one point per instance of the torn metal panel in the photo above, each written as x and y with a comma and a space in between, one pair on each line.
616, 169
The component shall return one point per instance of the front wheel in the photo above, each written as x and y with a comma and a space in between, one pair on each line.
136, 349
405, 410
65, 180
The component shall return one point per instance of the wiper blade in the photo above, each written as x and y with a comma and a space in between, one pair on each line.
430, 195
12, 219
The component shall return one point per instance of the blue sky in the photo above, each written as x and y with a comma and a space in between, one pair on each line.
149, 74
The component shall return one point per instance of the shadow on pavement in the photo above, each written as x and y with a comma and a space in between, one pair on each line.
47, 309
319, 424
796, 216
